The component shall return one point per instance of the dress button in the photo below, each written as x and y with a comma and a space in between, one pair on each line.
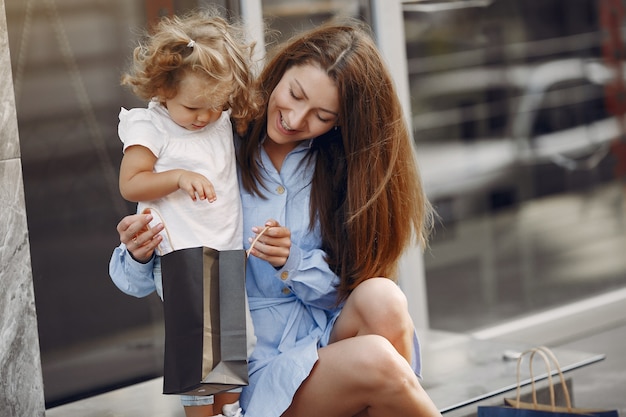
286, 290
284, 275
280, 189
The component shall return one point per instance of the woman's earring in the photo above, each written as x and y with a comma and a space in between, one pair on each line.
336, 127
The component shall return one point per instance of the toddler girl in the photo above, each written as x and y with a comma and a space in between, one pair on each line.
178, 152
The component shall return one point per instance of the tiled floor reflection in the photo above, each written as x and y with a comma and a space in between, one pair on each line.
141, 400
602, 385
599, 385
546, 253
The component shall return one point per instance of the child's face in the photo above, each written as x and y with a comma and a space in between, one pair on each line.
191, 108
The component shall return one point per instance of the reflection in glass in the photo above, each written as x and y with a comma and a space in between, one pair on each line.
287, 17
517, 132
66, 60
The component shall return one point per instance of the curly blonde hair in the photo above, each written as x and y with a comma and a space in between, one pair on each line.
206, 44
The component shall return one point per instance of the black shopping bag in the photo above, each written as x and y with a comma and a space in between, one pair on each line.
518, 408
205, 321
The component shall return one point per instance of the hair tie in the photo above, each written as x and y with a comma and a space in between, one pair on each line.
191, 43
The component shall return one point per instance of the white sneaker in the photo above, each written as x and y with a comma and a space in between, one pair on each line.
232, 410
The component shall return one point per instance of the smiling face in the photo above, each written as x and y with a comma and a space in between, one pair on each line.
304, 105
193, 107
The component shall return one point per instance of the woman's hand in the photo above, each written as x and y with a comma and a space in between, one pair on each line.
273, 245
139, 238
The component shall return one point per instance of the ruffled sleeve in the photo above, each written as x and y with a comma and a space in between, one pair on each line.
142, 127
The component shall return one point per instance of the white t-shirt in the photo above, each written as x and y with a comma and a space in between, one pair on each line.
210, 152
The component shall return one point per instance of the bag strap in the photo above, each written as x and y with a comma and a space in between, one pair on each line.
159, 219
566, 394
256, 239
548, 356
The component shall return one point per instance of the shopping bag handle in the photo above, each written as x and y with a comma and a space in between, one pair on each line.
547, 356
256, 239
157, 216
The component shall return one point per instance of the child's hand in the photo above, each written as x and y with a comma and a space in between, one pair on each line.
197, 186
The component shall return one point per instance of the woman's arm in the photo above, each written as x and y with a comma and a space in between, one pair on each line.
132, 263
131, 277
304, 272
308, 276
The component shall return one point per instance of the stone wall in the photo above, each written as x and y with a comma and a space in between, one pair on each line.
21, 385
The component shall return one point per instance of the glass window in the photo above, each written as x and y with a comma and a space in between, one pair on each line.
515, 109
66, 58
287, 17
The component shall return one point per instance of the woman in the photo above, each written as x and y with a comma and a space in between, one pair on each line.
329, 162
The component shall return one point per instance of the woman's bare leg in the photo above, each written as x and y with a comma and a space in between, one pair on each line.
365, 369
361, 375
377, 306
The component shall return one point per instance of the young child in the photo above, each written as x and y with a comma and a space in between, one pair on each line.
179, 159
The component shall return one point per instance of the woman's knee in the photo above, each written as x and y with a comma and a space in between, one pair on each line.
382, 304
381, 291
382, 364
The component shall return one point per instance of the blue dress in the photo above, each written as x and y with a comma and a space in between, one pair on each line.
293, 308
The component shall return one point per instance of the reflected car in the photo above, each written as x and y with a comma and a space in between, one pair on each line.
480, 132
563, 117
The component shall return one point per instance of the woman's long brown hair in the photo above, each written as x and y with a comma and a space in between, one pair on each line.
366, 190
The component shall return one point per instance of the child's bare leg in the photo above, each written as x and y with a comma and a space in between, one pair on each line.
199, 410
224, 398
